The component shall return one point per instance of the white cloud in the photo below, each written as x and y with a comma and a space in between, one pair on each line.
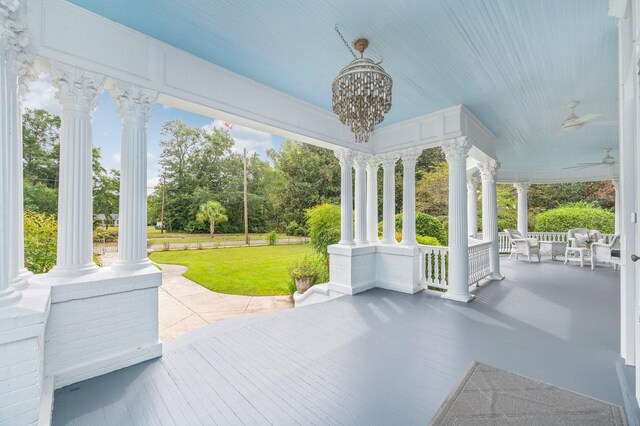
255, 141
41, 94
117, 157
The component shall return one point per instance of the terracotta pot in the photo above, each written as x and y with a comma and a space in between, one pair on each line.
303, 283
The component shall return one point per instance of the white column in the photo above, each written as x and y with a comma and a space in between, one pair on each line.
134, 106
78, 91
372, 200
359, 164
409, 159
18, 71
9, 36
345, 157
389, 198
488, 173
616, 206
523, 208
456, 152
472, 205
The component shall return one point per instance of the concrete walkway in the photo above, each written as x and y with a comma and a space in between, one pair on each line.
185, 306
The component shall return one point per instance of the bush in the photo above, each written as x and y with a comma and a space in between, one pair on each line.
40, 241
426, 226
105, 235
295, 230
427, 241
323, 222
575, 215
196, 227
272, 238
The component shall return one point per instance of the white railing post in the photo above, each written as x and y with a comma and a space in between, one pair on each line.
456, 151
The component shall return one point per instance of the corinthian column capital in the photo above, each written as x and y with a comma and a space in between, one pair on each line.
489, 170
389, 160
132, 102
456, 149
472, 182
360, 160
344, 156
77, 89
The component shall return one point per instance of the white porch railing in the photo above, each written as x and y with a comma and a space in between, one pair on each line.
434, 263
541, 236
479, 264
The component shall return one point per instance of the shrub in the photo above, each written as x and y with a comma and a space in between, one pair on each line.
575, 215
427, 241
272, 238
40, 241
196, 227
291, 228
105, 235
312, 265
323, 222
426, 226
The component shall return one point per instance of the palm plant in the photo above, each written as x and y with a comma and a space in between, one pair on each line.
212, 212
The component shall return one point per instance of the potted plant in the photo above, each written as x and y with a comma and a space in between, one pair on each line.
590, 239
304, 271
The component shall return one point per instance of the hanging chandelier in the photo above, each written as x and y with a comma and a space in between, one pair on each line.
361, 93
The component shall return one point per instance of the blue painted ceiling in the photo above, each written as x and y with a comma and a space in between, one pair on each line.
514, 63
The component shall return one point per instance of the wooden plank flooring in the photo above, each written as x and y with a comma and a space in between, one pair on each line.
376, 358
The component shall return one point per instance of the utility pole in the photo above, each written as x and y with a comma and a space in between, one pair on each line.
162, 209
246, 211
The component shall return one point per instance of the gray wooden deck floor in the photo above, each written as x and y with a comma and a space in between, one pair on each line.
376, 358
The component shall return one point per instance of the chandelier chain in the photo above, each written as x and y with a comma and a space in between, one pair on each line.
346, 44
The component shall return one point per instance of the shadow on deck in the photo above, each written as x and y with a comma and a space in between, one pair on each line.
376, 358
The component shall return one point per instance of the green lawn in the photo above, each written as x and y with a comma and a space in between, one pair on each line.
250, 271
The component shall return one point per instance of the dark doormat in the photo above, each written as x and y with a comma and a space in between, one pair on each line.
490, 396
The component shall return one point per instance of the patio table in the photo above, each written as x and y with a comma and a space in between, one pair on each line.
577, 254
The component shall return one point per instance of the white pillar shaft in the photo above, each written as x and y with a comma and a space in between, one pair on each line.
346, 197
77, 92
372, 201
472, 208
458, 279
18, 275
361, 201
134, 106
616, 207
389, 202
8, 294
409, 201
132, 235
523, 209
490, 218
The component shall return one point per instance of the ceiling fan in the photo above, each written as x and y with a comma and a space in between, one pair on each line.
573, 121
607, 160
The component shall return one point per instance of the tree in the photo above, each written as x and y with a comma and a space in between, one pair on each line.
324, 227
310, 176
106, 193
40, 241
432, 191
41, 147
212, 212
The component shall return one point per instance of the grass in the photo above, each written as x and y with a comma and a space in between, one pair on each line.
249, 271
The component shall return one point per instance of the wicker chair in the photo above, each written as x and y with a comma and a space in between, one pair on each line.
521, 245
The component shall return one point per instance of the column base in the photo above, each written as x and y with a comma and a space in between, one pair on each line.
464, 298
9, 297
73, 271
132, 265
347, 243
21, 281
495, 277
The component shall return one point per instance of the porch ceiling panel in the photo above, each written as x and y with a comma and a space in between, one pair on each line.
514, 64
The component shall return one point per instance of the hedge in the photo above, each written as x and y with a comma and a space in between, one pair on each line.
426, 226
563, 218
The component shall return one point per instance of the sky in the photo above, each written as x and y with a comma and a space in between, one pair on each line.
107, 128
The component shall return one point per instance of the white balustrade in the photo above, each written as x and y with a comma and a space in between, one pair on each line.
479, 260
505, 247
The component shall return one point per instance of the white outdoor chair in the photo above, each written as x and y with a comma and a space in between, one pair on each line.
577, 237
601, 252
521, 245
